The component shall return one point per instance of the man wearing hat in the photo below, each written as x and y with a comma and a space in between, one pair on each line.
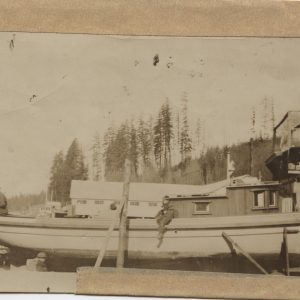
163, 218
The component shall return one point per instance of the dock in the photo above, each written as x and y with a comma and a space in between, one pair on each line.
185, 284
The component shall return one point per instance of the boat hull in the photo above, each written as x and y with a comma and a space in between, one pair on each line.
184, 238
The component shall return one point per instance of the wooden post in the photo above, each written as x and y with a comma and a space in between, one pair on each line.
123, 218
105, 244
286, 252
116, 220
251, 157
234, 244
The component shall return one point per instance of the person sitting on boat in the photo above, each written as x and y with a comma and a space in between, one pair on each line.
3, 204
163, 218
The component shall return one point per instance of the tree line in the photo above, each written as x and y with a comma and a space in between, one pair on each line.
65, 168
164, 148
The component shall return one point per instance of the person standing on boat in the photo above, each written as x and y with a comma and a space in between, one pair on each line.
163, 218
3, 204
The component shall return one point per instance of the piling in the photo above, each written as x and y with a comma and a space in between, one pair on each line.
123, 233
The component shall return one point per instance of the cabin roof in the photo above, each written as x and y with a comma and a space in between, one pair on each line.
258, 185
95, 190
293, 112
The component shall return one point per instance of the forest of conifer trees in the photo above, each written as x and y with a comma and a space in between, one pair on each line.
167, 148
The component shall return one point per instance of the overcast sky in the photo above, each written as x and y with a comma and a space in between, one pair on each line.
82, 83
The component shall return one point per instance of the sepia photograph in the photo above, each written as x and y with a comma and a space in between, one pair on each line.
147, 155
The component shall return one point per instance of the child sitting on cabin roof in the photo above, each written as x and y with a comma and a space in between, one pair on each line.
163, 218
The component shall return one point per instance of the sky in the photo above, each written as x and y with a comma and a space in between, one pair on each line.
57, 87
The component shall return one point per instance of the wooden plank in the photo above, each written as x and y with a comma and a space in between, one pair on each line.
252, 260
230, 245
123, 236
286, 252
106, 241
294, 270
115, 221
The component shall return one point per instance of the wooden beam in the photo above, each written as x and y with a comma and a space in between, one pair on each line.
251, 259
230, 245
106, 241
123, 235
286, 252
122, 209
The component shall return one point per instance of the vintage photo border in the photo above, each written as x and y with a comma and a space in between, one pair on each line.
186, 18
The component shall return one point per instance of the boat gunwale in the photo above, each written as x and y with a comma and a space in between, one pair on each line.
181, 224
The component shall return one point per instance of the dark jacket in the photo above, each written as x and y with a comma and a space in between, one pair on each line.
166, 215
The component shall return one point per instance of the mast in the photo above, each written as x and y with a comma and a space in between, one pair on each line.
230, 165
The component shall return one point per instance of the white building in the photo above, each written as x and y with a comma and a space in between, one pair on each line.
93, 198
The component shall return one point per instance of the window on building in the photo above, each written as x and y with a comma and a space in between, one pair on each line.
273, 199
134, 203
152, 203
81, 201
259, 199
201, 207
99, 202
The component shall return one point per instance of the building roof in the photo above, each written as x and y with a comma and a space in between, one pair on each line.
92, 190
294, 113
137, 191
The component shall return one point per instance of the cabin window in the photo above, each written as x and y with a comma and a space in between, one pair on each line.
273, 199
259, 199
99, 202
134, 203
201, 207
152, 203
81, 201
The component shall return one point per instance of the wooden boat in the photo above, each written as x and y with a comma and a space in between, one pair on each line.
261, 234
253, 213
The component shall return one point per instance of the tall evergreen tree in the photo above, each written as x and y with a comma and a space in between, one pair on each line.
144, 137
185, 139
116, 151
163, 134
158, 140
97, 158
198, 138
56, 189
168, 133
133, 152
74, 167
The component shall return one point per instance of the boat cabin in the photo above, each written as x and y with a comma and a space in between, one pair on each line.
240, 197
